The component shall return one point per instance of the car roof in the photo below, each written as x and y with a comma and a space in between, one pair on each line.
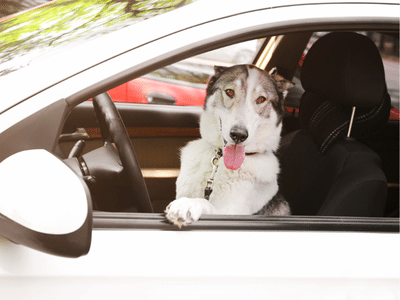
97, 44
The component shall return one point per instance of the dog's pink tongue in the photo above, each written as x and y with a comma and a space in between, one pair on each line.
233, 156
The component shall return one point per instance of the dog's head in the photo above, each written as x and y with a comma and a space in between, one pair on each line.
244, 106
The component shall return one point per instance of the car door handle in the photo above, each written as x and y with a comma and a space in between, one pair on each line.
160, 98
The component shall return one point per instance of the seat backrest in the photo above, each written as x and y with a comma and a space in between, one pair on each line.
323, 171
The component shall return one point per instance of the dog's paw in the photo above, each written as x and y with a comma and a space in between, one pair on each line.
184, 211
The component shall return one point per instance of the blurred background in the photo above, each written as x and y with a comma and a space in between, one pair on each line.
9, 7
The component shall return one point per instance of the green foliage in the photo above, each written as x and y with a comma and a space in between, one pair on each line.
33, 32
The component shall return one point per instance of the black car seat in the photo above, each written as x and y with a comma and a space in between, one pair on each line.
324, 172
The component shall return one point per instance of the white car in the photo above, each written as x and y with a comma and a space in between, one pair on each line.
79, 219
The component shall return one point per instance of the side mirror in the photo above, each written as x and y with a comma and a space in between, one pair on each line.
44, 205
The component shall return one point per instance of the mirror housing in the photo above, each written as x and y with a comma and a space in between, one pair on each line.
44, 205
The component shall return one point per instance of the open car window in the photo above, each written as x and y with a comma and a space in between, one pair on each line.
158, 133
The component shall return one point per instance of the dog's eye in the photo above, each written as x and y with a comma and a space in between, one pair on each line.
260, 100
230, 92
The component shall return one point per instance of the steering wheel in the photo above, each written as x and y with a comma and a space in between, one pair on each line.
113, 132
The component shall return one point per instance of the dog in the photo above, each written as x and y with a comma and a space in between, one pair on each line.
233, 164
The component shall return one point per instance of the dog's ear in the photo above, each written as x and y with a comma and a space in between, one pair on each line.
282, 84
218, 71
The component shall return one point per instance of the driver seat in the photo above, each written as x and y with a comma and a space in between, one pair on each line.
324, 172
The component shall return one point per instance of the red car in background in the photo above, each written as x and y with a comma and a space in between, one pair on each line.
145, 90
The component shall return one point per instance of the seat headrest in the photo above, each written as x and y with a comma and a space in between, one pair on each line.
346, 68
342, 70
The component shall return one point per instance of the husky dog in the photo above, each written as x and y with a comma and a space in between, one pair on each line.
234, 163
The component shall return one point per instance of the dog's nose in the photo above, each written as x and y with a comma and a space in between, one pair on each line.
239, 134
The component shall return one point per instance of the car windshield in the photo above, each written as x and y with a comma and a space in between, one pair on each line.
29, 35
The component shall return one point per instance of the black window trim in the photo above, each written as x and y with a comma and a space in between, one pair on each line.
157, 221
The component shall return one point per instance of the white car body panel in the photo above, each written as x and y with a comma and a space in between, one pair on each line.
250, 264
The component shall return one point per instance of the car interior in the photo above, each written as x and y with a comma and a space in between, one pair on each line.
340, 144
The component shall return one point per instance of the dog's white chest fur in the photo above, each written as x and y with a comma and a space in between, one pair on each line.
244, 191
